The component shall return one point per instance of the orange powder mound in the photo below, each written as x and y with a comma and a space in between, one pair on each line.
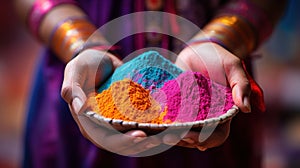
128, 101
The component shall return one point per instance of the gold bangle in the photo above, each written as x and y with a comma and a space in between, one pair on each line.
241, 27
73, 35
224, 34
234, 33
70, 36
226, 38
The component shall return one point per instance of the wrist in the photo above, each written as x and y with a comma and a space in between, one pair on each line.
98, 47
64, 27
215, 46
38, 12
231, 32
69, 36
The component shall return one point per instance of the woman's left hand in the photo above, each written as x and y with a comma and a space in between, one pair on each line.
223, 67
201, 140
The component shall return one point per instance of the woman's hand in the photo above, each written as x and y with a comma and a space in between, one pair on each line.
223, 67
82, 75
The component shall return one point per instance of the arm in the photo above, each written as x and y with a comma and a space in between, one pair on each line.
64, 28
44, 20
240, 27
220, 50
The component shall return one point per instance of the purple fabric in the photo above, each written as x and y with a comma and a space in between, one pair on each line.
52, 138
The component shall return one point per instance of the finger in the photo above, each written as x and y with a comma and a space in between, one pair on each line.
82, 122
217, 138
191, 138
130, 143
72, 91
201, 148
98, 66
240, 85
188, 142
136, 133
116, 62
144, 145
171, 139
185, 144
107, 138
82, 75
118, 142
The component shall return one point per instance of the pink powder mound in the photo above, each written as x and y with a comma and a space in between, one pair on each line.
193, 97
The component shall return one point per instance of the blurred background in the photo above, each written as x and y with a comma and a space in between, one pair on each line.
277, 71
18, 55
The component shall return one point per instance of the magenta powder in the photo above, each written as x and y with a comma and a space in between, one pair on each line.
193, 97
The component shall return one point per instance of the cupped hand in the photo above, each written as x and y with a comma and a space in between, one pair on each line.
208, 137
223, 67
82, 75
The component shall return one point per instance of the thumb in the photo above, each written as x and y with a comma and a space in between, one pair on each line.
74, 96
71, 90
240, 86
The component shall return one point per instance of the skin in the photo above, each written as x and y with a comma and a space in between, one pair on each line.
223, 67
75, 89
79, 81
80, 78
51, 19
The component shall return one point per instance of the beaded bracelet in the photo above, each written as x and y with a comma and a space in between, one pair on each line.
39, 10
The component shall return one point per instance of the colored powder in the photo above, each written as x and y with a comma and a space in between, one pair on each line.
149, 69
192, 97
151, 78
128, 101
151, 89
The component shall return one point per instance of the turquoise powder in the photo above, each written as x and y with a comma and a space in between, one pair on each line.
189, 96
149, 69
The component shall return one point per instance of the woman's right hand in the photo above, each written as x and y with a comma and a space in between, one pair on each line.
82, 74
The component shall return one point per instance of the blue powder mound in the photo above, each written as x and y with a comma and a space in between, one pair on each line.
150, 70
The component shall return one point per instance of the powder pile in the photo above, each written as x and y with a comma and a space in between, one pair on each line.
193, 97
189, 97
151, 89
148, 69
128, 101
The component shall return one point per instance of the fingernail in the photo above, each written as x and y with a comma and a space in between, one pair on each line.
150, 145
247, 104
201, 148
138, 139
77, 104
188, 140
